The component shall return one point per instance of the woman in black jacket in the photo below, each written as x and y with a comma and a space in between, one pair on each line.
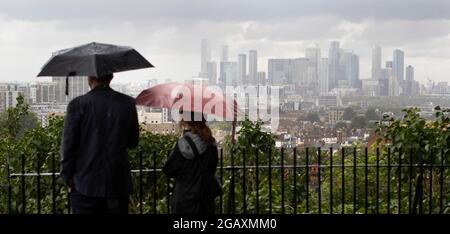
193, 163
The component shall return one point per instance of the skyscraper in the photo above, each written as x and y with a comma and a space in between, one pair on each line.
410, 84
334, 66
279, 71
299, 72
228, 73
376, 62
211, 73
313, 56
253, 67
409, 73
205, 57
323, 76
398, 66
261, 78
350, 63
224, 54
242, 69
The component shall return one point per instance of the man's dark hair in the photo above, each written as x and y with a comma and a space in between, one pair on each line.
105, 78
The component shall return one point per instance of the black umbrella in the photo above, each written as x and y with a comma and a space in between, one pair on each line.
93, 59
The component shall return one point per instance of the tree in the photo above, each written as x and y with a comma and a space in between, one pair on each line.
359, 122
16, 120
340, 125
349, 114
313, 117
371, 114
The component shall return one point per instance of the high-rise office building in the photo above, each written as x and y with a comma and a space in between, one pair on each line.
376, 62
409, 73
350, 66
389, 64
334, 64
212, 73
228, 73
224, 54
279, 71
323, 76
242, 69
410, 86
45, 92
398, 66
394, 86
299, 72
313, 56
261, 78
253, 67
205, 57
384, 82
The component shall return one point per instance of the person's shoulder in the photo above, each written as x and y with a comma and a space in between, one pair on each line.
77, 100
125, 97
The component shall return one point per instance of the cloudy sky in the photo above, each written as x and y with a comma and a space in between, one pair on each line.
168, 32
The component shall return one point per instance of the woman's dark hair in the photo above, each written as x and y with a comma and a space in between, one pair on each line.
199, 127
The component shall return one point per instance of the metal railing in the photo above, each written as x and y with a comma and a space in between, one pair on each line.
310, 180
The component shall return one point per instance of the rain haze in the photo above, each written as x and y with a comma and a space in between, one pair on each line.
168, 32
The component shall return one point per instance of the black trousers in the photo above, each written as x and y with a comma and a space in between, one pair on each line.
98, 205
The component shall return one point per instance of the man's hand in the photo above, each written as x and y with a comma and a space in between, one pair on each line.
71, 185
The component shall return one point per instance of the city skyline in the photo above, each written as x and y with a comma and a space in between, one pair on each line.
167, 32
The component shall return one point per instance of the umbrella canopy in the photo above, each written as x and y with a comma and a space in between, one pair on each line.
94, 59
191, 98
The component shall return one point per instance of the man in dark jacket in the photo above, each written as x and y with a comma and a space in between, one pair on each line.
99, 128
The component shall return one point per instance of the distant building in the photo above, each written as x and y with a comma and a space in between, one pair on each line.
323, 76
370, 87
45, 92
376, 62
410, 86
299, 73
211, 73
205, 57
350, 64
333, 60
242, 69
314, 58
228, 73
150, 117
224, 54
262, 78
161, 128
328, 101
398, 66
197, 81
279, 71
253, 67
78, 85
335, 116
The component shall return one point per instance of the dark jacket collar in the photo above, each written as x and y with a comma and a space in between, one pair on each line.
101, 87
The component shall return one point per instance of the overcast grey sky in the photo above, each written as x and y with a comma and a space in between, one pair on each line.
168, 32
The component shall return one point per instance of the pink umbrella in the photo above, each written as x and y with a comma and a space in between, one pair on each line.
193, 98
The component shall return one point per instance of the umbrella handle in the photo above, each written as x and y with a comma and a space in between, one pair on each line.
67, 85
